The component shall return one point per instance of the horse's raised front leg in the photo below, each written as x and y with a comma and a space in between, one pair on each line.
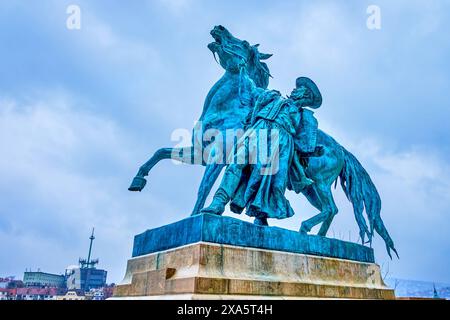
212, 172
321, 197
184, 155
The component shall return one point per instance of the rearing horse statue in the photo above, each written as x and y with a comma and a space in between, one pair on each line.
228, 106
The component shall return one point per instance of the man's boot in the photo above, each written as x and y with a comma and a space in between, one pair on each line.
227, 188
217, 206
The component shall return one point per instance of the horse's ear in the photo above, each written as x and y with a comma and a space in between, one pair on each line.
264, 56
256, 45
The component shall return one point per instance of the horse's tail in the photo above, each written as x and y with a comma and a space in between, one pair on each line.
362, 193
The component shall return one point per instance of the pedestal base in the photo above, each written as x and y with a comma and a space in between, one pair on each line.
215, 271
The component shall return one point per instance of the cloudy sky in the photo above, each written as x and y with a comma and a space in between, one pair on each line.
80, 110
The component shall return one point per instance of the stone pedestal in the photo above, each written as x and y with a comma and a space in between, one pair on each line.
209, 257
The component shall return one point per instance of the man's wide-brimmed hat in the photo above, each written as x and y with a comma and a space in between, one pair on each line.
308, 83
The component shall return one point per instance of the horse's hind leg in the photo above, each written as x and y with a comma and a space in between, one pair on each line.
212, 172
313, 197
311, 194
321, 197
331, 213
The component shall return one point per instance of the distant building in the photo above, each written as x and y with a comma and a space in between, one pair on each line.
6, 294
95, 294
81, 282
10, 282
5, 281
86, 276
43, 279
101, 293
8, 288
38, 293
70, 295
86, 279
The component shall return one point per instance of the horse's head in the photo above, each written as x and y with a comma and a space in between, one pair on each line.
235, 55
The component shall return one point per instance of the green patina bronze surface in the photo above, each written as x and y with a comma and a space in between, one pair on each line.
308, 162
230, 231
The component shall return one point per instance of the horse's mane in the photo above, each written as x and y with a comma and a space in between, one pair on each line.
258, 70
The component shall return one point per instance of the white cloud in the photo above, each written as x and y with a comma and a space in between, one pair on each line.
413, 183
323, 37
110, 44
176, 7
63, 171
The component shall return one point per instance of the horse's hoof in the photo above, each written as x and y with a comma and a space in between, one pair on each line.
303, 230
137, 184
261, 222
